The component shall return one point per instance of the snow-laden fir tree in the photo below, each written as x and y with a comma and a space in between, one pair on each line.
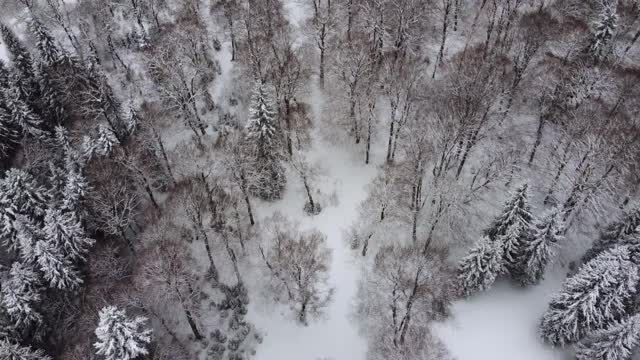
540, 248
267, 179
479, 269
64, 230
512, 227
106, 141
27, 233
22, 190
4, 75
516, 210
56, 269
50, 97
11, 351
120, 337
23, 115
262, 126
20, 56
617, 342
9, 134
20, 296
74, 191
604, 31
46, 43
615, 233
597, 295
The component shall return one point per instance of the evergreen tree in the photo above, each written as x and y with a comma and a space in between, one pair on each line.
615, 233
4, 75
268, 180
11, 351
9, 134
106, 141
598, 294
50, 53
27, 233
261, 127
512, 227
516, 210
479, 269
604, 30
51, 97
23, 191
20, 56
23, 115
119, 337
540, 248
20, 296
56, 268
616, 342
64, 230
74, 191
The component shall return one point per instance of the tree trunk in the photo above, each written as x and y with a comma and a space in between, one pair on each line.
541, 124
563, 164
414, 227
390, 145
243, 187
127, 240
192, 324
349, 19
471, 143
213, 269
308, 190
164, 154
232, 256
445, 25
369, 125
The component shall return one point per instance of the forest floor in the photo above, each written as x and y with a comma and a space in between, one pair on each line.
502, 323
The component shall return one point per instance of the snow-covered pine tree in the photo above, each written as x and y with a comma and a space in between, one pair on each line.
23, 191
479, 269
49, 51
11, 351
27, 233
75, 188
21, 294
267, 180
262, 127
9, 134
513, 227
23, 115
51, 97
615, 233
516, 210
20, 56
604, 30
65, 231
598, 294
4, 75
540, 247
120, 337
617, 342
57, 270
106, 140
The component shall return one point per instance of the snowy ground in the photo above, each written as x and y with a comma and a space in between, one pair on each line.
335, 336
501, 324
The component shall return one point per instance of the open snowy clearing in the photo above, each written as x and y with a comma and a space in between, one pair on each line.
502, 323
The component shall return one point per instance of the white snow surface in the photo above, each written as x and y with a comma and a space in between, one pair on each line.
502, 323
336, 335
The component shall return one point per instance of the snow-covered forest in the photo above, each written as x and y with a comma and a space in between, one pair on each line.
320, 179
